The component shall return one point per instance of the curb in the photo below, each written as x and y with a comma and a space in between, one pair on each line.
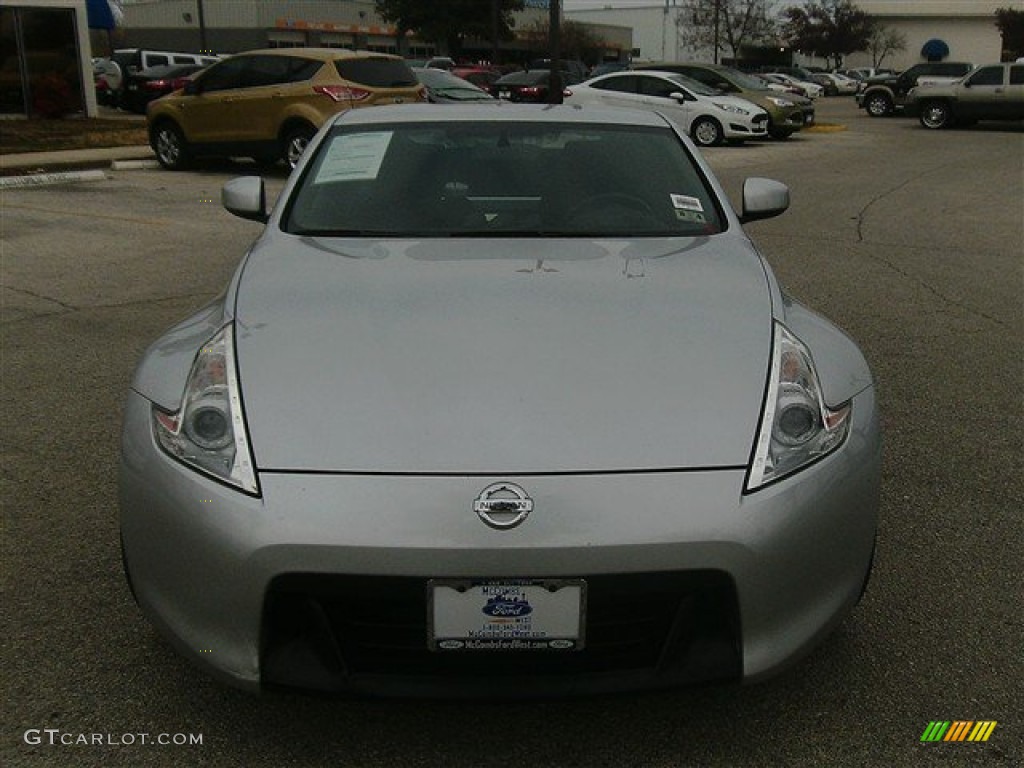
45, 179
70, 160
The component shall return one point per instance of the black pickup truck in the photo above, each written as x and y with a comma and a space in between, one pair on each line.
882, 95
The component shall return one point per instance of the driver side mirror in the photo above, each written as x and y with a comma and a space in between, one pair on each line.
680, 97
763, 199
246, 197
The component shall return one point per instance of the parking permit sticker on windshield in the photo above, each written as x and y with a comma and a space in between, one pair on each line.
354, 157
682, 214
686, 203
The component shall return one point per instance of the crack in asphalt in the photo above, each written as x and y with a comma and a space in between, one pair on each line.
861, 217
40, 296
120, 305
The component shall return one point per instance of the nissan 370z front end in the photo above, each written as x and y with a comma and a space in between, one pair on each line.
508, 444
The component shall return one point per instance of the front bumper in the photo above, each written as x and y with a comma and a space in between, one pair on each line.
267, 590
736, 127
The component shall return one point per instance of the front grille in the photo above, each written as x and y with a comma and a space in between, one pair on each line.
761, 118
320, 631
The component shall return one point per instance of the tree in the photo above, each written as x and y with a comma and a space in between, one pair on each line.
830, 28
1011, 25
577, 41
718, 24
883, 41
449, 22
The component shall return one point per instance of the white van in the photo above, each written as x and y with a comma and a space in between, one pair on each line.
135, 59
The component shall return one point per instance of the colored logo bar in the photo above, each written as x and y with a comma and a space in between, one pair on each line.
958, 730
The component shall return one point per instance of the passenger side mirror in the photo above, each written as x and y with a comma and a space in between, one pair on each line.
246, 197
763, 199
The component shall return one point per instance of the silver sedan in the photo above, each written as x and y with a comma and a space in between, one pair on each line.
503, 401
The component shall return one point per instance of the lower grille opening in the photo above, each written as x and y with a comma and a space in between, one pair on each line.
323, 631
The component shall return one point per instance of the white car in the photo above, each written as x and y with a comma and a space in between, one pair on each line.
811, 90
706, 114
844, 85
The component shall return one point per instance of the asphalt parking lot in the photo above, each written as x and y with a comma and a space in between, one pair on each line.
911, 240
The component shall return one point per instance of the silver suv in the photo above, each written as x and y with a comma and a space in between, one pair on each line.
991, 92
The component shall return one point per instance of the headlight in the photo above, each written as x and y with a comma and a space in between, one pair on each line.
797, 427
208, 431
731, 108
780, 102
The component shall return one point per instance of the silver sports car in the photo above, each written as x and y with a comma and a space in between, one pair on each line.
503, 401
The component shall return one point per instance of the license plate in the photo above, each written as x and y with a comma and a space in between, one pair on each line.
504, 94
506, 615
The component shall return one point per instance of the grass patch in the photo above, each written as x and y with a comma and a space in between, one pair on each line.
55, 135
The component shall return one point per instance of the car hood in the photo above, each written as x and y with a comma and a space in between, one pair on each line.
502, 356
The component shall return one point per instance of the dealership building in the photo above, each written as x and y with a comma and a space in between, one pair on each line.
960, 30
228, 26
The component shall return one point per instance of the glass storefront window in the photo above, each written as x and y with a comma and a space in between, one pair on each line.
40, 73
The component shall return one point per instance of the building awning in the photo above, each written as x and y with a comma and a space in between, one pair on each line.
102, 14
935, 49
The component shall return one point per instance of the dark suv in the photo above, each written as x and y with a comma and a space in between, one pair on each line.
882, 95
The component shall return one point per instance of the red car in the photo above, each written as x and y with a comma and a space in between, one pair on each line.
528, 86
481, 77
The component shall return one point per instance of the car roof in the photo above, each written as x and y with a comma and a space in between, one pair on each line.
702, 65
505, 112
321, 54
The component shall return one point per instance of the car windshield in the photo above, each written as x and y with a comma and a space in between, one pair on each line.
695, 86
743, 80
502, 179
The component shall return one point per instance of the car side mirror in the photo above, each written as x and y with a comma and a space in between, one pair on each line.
678, 96
763, 199
246, 197
193, 88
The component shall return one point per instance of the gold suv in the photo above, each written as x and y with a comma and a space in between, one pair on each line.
268, 104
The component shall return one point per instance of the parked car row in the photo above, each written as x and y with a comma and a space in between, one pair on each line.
128, 78
706, 114
268, 104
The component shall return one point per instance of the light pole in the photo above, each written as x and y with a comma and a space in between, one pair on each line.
555, 35
718, 7
202, 27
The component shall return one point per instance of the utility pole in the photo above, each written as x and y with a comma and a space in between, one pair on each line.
202, 28
555, 34
718, 8
494, 32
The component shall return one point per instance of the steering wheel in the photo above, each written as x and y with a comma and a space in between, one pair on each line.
597, 208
